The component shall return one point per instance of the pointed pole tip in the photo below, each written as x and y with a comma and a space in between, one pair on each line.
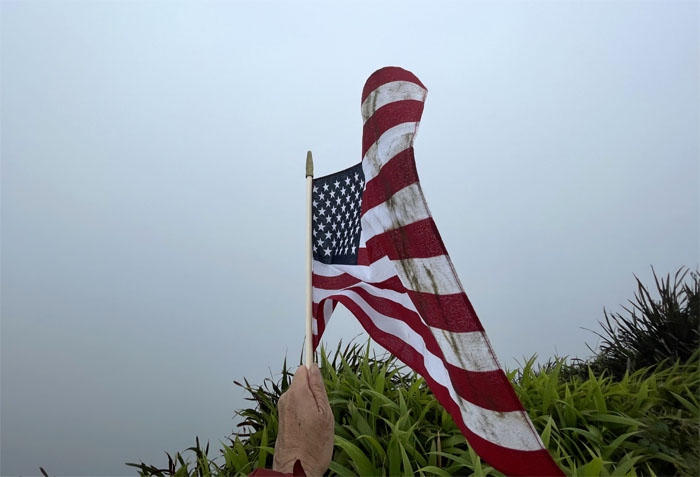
309, 164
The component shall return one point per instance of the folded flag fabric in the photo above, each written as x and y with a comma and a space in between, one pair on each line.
377, 251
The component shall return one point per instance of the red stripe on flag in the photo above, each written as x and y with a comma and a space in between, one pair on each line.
317, 313
340, 282
447, 312
417, 240
387, 117
321, 319
396, 174
336, 282
362, 257
488, 389
388, 75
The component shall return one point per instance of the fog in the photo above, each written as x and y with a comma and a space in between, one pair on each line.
153, 191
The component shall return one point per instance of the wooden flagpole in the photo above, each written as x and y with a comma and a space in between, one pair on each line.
309, 332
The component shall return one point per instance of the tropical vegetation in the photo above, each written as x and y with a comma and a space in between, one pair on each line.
632, 409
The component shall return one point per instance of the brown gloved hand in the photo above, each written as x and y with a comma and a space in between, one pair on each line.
306, 424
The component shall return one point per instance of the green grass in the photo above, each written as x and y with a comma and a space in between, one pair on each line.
652, 328
389, 423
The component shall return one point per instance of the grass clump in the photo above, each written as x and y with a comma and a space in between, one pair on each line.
389, 423
650, 330
646, 423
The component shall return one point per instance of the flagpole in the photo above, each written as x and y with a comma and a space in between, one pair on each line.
309, 332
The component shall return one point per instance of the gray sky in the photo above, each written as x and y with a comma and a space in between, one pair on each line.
153, 191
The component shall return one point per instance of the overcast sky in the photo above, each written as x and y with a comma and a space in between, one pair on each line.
153, 191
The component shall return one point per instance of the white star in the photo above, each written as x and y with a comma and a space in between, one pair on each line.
334, 225
356, 176
357, 195
328, 219
334, 242
322, 212
342, 191
339, 218
325, 186
314, 232
321, 226
316, 188
332, 193
314, 248
328, 235
315, 217
321, 196
314, 203
347, 180
342, 224
327, 251
333, 209
352, 187
353, 249
336, 183
328, 203
343, 208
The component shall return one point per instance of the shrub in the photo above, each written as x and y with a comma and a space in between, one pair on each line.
631, 410
652, 331
389, 423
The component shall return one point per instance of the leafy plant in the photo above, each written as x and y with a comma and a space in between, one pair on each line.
631, 410
652, 330
389, 423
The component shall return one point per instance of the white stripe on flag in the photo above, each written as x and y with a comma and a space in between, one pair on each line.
381, 270
431, 275
393, 141
390, 93
327, 311
401, 298
468, 350
506, 429
403, 208
363, 240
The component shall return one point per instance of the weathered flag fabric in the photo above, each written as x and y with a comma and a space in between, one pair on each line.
378, 252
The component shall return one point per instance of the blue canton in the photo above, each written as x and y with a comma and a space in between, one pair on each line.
336, 207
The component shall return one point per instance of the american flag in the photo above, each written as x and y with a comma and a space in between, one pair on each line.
377, 251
